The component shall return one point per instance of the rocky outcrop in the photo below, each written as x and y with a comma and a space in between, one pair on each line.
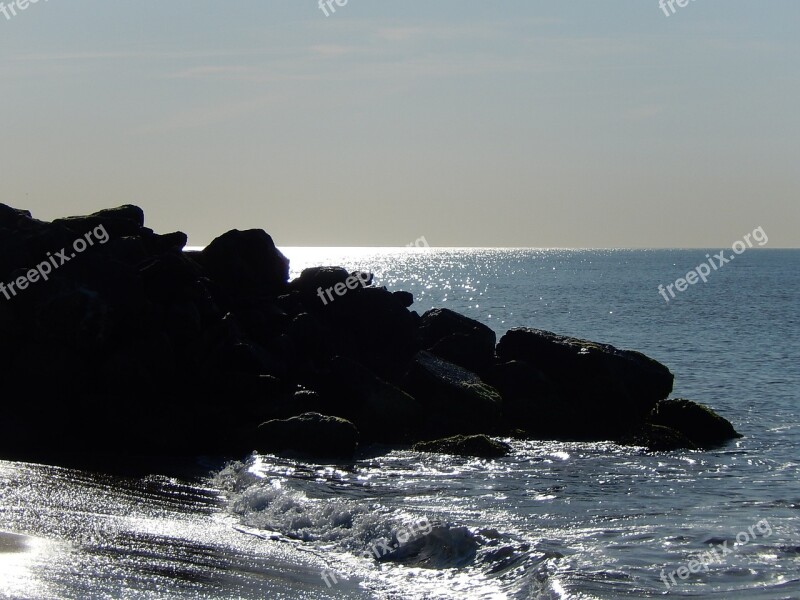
115, 340
480, 446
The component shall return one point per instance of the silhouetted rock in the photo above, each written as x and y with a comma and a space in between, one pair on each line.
480, 446
309, 433
369, 325
603, 390
458, 339
533, 402
246, 264
406, 299
457, 400
117, 222
314, 282
381, 411
698, 423
135, 346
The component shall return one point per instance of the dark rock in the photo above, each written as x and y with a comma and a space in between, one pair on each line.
381, 411
657, 438
370, 326
126, 212
313, 340
405, 299
157, 244
314, 281
10, 217
458, 339
604, 389
459, 349
117, 222
444, 547
169, 275
246, 264
698, 423
480, 446
535, 403
259, 398
138, 346
636, 374
309, 433
306, 401
458, 401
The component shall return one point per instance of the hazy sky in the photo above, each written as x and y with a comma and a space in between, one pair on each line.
515, 123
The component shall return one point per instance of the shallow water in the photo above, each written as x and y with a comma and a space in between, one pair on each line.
554, 520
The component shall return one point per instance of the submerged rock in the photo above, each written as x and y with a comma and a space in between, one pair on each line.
658, 439
481, 446
444, 547
699, 424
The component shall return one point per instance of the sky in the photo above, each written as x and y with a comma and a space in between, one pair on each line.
520, 123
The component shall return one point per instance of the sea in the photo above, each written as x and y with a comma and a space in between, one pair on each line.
554, 520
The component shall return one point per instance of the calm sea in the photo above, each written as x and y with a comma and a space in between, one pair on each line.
554, 520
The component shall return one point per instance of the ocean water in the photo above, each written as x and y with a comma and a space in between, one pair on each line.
553, 520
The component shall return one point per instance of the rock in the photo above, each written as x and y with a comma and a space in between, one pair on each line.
481, 446
137, 346
309, 433
444, 547
314, 280
370, 326
259, 397
457, 339
698, 423
457, 399
175, 241
381, 411
602, 391
533, 402
169, 276
10, 217
657, 438
126, 212
246, 264
117, 222
306, 401
405, 299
